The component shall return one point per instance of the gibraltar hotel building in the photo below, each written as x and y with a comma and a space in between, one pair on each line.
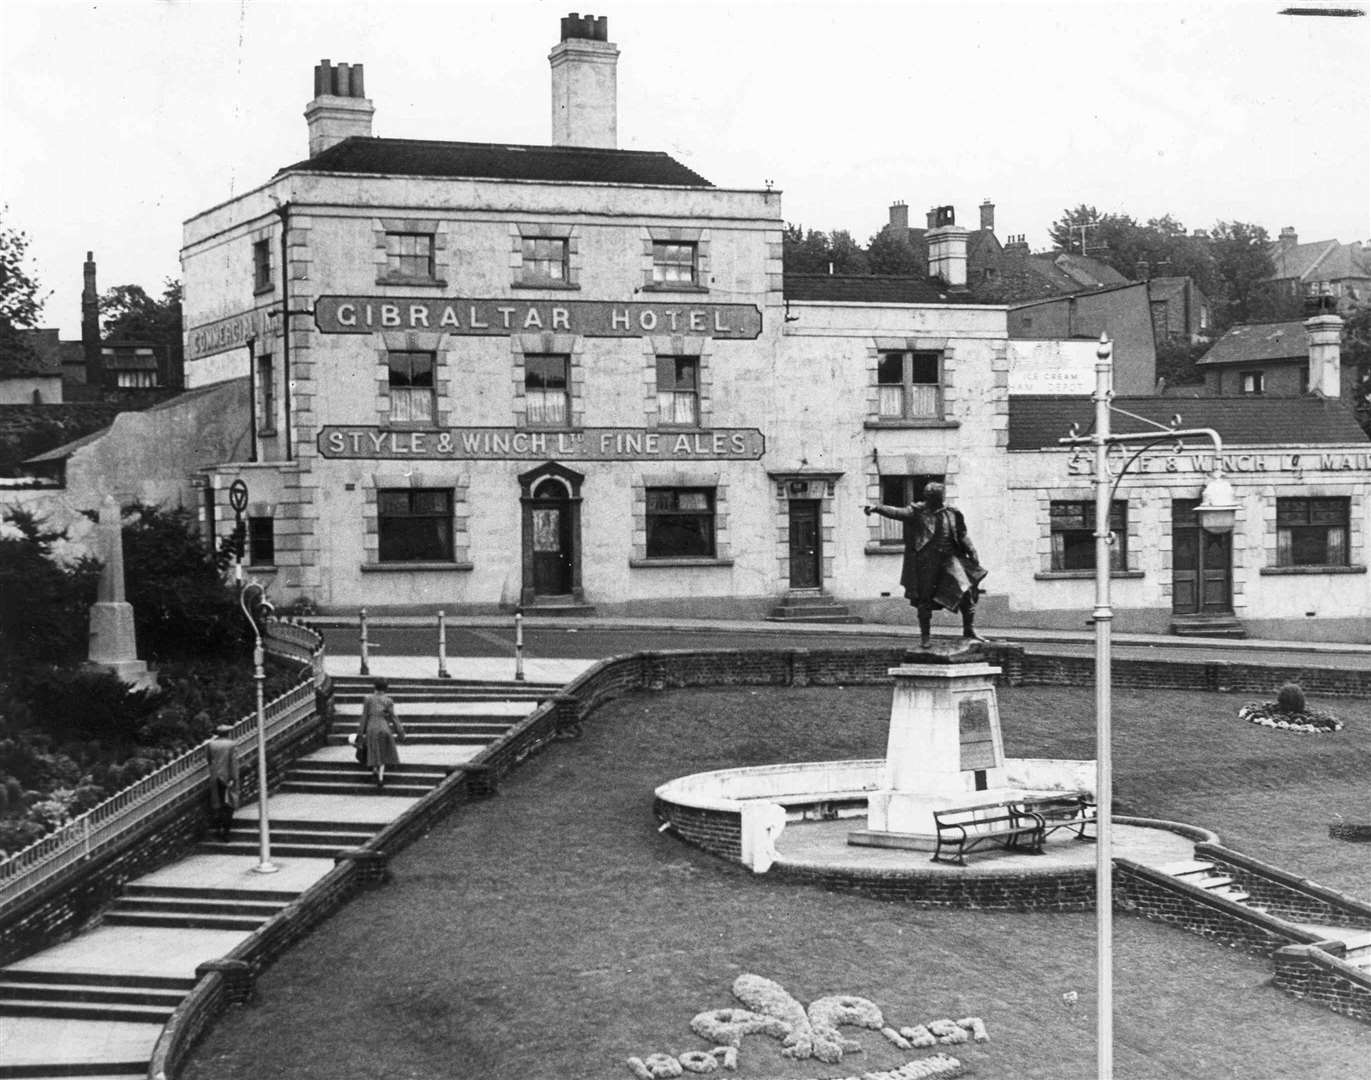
478, 376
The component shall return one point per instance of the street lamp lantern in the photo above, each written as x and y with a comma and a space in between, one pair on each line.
1217, 510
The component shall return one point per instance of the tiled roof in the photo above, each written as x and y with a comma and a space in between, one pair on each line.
1037, 422
500, 161
44, 358
871, 289
1249, 343
1087, 272
1298, 260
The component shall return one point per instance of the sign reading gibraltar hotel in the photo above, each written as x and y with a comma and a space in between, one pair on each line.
589, 318
584, 444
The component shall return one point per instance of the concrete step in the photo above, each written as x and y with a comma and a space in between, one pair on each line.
184, 920
491, 727
76, 992
825, 616
198, 892
452, 737
408, 770
85, 1070
194, 905
357, 786
86, 1010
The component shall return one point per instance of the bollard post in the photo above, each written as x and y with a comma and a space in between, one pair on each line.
519, 644
362, 619
442, 647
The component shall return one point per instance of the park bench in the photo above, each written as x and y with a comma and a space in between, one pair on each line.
1003, 824
1074, 810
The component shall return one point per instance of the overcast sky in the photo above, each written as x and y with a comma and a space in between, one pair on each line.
121, 119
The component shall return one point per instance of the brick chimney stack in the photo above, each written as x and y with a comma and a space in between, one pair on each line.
585, 88
899, 215
1325, 355
988, 216
946, 247
1289, 238
90, 323
340, 108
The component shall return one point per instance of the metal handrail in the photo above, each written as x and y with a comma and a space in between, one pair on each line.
107, 823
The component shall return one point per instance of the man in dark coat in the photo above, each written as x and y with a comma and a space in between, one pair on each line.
940, 568
221, 754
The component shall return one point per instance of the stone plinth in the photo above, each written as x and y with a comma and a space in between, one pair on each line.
113, 646
944, 747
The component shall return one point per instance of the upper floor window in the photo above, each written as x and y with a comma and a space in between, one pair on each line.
261, 265
414, 525
909, 385
673, 263
1312, 532
135, 380
680, 523
409, 255
678, 390
266, 396
1253, 382
899, 491
545, 258
546, 386
411, 386
1073, 535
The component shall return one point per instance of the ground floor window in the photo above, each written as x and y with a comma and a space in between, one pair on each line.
261, 541
414, 525
1311, 532
135, 380
680, 523
1073, 535
900, 491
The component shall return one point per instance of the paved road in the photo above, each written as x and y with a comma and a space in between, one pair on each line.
594, 638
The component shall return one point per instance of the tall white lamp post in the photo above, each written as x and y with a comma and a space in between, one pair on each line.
260, 608
1216, 513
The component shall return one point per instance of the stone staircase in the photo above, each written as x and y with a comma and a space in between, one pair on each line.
317, 811
1209, 877
809, 606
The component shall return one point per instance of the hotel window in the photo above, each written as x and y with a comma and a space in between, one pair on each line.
1252, 382
261, 266
545, 390
678, 390
414, 525
261, 541
545, 259
266, 397
1311, 532
673, 263
680, 523
1073, 535
909, 385
409, 255
899, 491
411, 386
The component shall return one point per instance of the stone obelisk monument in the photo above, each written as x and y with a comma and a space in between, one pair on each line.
112, 644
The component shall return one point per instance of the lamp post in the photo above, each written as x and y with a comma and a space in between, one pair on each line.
1216, 513
238, 499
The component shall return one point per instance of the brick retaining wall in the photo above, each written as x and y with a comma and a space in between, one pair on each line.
1285, 894
1062, 890
1219, 675
1305, 971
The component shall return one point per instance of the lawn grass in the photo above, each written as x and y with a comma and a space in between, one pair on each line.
553, 932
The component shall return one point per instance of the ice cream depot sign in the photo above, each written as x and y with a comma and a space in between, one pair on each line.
585, 444
589, 318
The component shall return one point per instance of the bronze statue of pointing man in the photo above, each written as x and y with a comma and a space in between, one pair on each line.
940, 568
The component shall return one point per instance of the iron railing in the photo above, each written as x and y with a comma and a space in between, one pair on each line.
104, 826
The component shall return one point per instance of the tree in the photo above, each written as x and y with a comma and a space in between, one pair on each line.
1356, 353
21, 297
815, 252
130, 314
1242, 261
890, 252
44, 618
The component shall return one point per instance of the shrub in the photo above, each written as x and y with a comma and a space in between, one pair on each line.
1290, 699
45, 615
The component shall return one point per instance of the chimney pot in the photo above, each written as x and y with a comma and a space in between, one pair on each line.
338, 111
342, 80
899, 215
585, 108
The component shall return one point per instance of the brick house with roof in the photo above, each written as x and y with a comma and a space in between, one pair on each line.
1326, 268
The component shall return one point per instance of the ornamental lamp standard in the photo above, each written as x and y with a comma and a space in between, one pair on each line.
1217, 512
260, 609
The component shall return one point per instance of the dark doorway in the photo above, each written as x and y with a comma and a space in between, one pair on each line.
551, 538
1201, 564
806, 546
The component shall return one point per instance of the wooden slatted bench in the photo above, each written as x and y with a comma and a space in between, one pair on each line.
1003, 824
1074, 810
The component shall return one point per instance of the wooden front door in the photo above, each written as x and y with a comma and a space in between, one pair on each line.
1201, 564
551, 539
805, 544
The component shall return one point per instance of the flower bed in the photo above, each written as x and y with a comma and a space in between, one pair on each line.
1307, 721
